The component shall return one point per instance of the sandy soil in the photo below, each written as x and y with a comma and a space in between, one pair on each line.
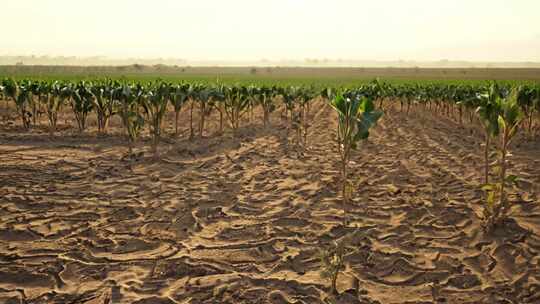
241, 220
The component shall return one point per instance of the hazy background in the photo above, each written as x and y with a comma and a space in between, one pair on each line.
274, 30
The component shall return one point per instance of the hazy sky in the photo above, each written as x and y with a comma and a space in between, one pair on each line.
480, 30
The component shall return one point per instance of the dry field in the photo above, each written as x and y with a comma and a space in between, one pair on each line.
241, 220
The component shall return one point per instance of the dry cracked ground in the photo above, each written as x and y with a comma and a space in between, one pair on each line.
242, 220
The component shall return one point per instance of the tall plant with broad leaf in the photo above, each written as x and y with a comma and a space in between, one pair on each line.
19, 93
204, 98
179, 95
154, 103
58, 94
488, 112
236, 103
265, 97
132, 120
527, 99
218, 102
356, 116
34, 100
82, 103
104, 103
508, 120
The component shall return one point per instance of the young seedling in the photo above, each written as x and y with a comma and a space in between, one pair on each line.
204, 98
218, 102
154, 104
34, 100
289, 96
508, 121
305, 99
81, 103
104, 104
528, 100
332, 263
356, 115
19, 93
131, 118
488, 112
193, 92
179, 95
59, 93
236, 104
265, 97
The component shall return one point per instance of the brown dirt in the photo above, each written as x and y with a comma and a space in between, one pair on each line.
241, 220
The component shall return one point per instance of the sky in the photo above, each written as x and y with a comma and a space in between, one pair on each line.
423, 30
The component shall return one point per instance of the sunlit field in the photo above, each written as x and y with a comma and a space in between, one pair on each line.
270, 152
275, 75
240, 188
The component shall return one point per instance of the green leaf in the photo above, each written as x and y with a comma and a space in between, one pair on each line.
367, 105
339, 104
511, 179
366, 121
501, 122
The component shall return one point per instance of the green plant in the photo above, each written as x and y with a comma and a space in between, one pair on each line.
289, 97
82, 101
129, 110
179, 94
204, 98
218, 102
536, 103
265, 97
305, 98
193, 91
42, 90
34, 99
55, 94
236, 103
528, 100
508, 121
332, 261
488, 112
154, 103
104, 104
19, 93
356, 116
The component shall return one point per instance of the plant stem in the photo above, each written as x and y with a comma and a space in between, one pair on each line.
176, 115
334, 282
486, 159
502, 195
191, 120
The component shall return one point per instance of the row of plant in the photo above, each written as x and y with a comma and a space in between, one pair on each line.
108, 97
500, 110
146, 104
